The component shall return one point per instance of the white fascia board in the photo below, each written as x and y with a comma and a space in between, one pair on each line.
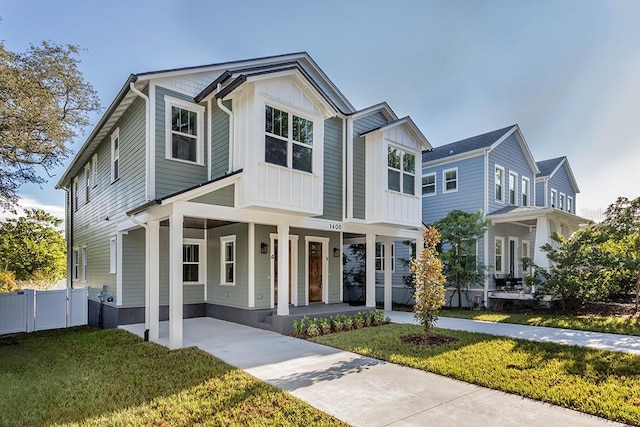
205, 189
548, 212
572, 178
405, 121
523, 145
383, 106
456, 157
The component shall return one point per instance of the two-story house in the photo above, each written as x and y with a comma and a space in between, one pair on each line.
179, 200
495, 173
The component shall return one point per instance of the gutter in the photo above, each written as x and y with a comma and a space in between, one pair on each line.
147, 281
147, 135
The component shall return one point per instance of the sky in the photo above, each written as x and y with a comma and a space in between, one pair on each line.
567, 72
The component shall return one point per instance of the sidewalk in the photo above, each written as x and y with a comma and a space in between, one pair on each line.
597, 340
363, 391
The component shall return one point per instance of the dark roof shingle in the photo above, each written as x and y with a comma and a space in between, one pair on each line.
549, 165
465, 145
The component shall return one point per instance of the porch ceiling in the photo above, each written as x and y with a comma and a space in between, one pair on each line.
198, 223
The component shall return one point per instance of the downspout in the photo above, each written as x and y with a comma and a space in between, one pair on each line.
147, 143
209, 137
230, 114
70, 236
485, 257
147, 283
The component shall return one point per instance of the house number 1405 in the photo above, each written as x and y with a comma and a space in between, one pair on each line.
334, 226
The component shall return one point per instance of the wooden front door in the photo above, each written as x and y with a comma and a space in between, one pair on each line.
275, 271
315, 271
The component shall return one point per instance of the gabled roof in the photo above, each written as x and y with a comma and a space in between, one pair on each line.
549, 167
412, 126
477, 142
382, 107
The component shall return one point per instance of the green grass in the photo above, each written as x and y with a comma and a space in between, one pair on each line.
608, 324
602, 383
110, 377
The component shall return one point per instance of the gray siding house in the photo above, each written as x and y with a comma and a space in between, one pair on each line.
495, 173
179, 200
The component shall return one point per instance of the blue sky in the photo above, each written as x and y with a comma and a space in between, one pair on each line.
565, 71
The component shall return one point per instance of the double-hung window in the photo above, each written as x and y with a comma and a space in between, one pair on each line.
85, 262
513, 188
75, 196
113, 253
94, 170
288, 140
401, 171
554, 198
228, 260
87, 181
115, 155
450, 180
429, 184
562, 201
74, 264
380, 256
570, 204
499, 184
192, 261
525, 191
184, 130
499, 254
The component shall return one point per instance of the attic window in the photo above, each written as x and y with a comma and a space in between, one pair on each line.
184, 130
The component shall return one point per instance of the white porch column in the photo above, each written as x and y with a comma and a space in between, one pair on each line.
542, 238
388, 289
175, 279
283, 270
370, 281
153, 241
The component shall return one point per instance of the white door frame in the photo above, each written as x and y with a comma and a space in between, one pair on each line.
325, 267
516, 250
293, 240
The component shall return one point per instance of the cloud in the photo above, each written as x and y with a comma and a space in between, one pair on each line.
29, 203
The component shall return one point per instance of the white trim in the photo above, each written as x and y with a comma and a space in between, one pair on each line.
94, 171
486, 188
113, 250
525, 254
524, 178
513, 175
516, 249
115, 135
554, 203
75, 264
562, 201
85, 263
119, 244
382, 256
251, 258
570, 206
293, 241
223, 241
341, 268
435, 184
349, 174
87, 181
202, 260
206, 263
325, 267
152, 141
502, 261
503, 185
444, 180
189, 106
209, 140
523, 145
75, 197
403, 151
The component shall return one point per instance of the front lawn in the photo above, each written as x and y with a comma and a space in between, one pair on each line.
608, 324
602, 383
111, 377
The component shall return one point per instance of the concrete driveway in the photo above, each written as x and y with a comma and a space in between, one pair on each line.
363, 391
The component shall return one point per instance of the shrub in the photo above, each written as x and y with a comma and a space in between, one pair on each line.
8, 281
313, 330
325, 326
358, 320
348, 323
336, 323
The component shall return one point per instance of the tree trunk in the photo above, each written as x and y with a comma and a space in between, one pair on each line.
459, 297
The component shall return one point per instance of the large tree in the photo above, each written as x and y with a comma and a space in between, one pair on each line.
32, 247
44, 103
460, 231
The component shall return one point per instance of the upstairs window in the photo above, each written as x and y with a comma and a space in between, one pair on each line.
429, 184
562, 199
185, 129
401, 171
554, 198
75, 197
115, 155
513, 188
499, 187
450, 180
87, 181
570, 204
94, 170
525, 191
288, 140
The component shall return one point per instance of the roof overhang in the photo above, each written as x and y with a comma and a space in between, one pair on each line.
523, 145
407, 122
530, 216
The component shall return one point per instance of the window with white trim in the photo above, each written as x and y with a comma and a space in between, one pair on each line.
499, 254
75, 193
450, 180
570, 204
401, 171
87, 181
115, 155
94, 170
288, 140
526, 253
113, 253
526, 184
380, 256
499, 184
513, 188
184, 131
429, 184
74, 264
85, 262
228, 260
562, 199
192, 261
554, 198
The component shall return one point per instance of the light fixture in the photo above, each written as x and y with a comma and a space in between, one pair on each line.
336, 253
264, 248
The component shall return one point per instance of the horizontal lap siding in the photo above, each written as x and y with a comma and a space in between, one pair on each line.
560, 181
540, 199
96, 221
262, 267
171, 175
232, 296
470, 194
220, 140
333, 185
222, 197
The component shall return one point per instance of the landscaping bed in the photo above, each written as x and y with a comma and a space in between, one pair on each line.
85, 376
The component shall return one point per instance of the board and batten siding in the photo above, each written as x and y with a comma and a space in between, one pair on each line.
510, 156
171, 175
333, 182
360, 126
470, 194
95, 222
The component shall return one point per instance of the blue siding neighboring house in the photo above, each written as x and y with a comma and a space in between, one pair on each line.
556, 185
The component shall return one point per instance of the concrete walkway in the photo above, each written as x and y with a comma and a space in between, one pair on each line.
597, 340
363, 391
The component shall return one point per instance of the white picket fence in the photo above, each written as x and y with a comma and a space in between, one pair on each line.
30, 310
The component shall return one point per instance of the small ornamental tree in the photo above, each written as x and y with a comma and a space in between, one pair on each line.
429, 294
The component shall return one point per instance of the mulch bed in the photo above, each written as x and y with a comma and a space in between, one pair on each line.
430, 339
